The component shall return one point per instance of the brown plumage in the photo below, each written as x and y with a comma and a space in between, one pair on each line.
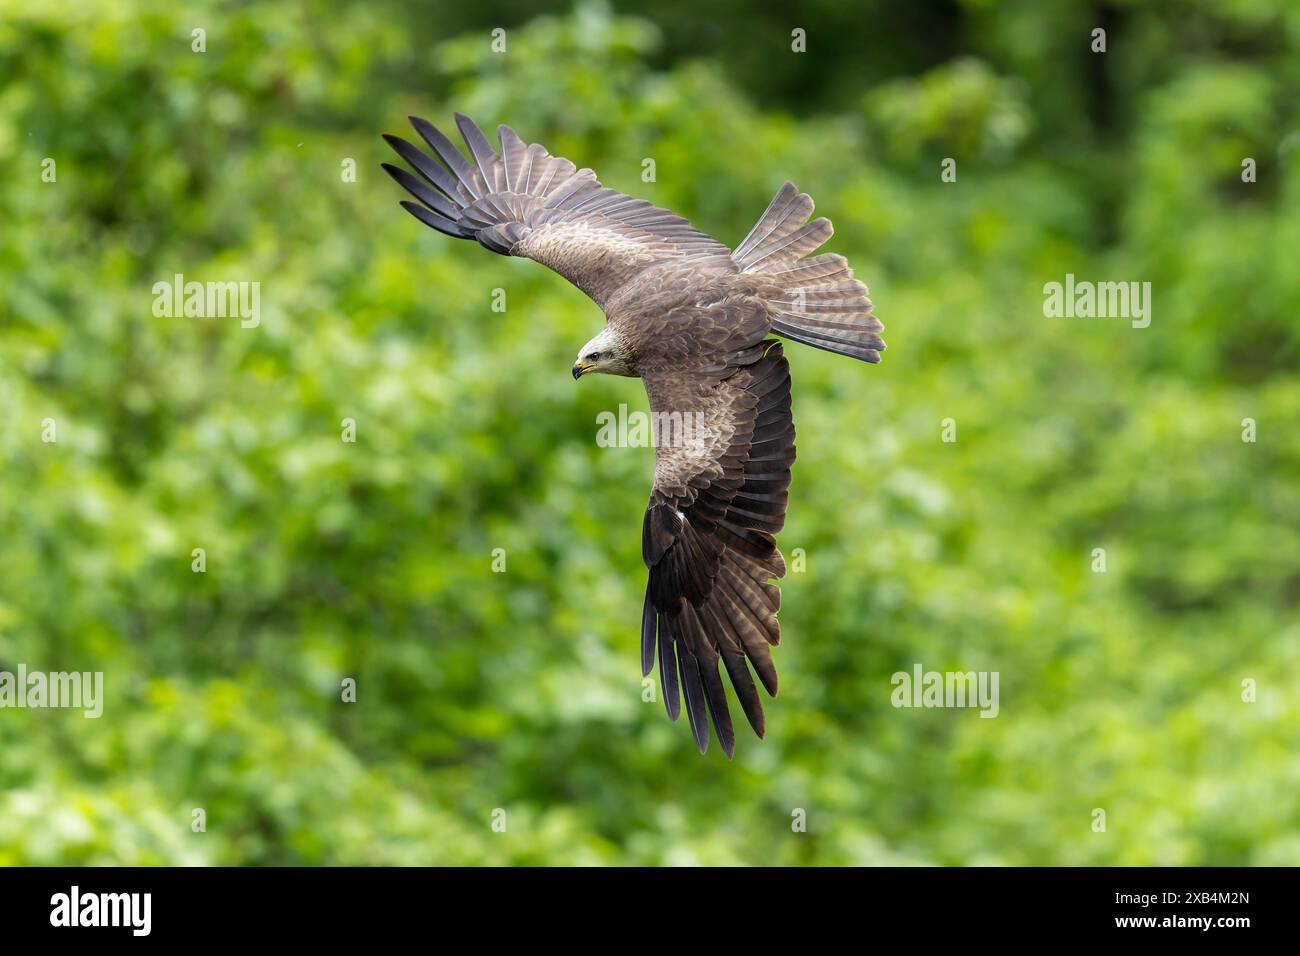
691, 318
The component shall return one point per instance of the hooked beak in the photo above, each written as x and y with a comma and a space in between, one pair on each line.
581, 368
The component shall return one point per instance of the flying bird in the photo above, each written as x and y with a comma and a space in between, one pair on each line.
692, 319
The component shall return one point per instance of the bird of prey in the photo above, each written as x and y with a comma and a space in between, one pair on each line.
690, 318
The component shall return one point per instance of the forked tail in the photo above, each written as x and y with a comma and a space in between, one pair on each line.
819, 302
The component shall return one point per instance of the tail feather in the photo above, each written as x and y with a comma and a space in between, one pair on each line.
815, 300
788, 210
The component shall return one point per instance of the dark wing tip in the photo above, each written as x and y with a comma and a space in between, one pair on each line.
648, 634
433, 220
479, 147
469, 129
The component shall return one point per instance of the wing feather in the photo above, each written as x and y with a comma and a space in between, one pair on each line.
708, 541
524, 202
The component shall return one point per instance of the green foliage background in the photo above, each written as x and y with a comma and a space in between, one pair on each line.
521, 690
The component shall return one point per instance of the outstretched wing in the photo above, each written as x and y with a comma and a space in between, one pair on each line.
525, 202
724, 447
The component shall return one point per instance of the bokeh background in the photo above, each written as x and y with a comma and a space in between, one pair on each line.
521, 690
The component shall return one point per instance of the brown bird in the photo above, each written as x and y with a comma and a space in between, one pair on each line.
691, 319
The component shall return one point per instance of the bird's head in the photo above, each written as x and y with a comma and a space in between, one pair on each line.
606, 353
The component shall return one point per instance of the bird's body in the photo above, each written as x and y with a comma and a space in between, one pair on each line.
692, 319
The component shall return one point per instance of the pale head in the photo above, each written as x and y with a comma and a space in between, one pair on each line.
607, 353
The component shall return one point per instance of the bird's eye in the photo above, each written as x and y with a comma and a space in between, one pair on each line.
593, 357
